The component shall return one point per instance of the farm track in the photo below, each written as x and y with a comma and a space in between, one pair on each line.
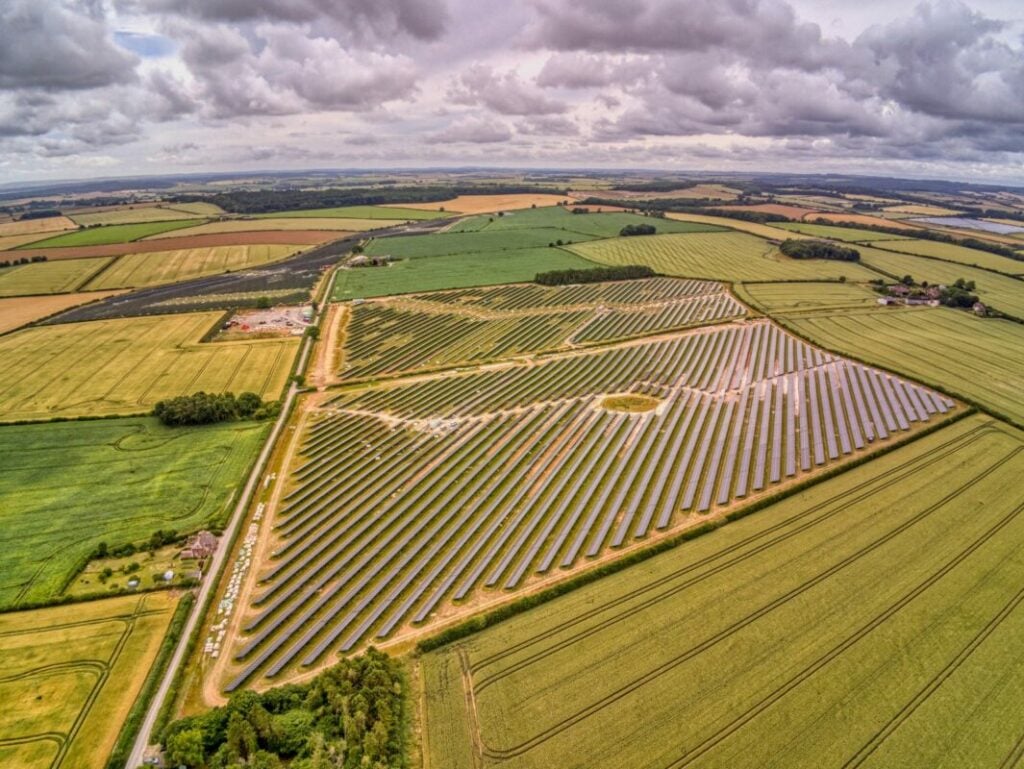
692, 652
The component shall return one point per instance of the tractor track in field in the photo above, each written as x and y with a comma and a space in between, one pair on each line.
694, 651
863, 490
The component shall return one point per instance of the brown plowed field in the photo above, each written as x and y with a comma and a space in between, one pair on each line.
289, 237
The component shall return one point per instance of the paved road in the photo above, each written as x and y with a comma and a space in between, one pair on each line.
209, 584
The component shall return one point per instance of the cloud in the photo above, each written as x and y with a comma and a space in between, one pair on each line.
59, 46
506, 94
472, 131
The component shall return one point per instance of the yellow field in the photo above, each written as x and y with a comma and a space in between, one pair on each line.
485, 204
13, 241
264, 225
34, 226
950, 252
20, 311
56, 277
124, 366
761, 230
130, 215
920, 210
151, 269
729, 256
202, 209
71, 675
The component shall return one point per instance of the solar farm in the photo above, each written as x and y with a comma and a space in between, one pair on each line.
408, 502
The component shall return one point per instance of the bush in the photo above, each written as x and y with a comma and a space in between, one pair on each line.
595, 275
208, 408
638, 229
818, 249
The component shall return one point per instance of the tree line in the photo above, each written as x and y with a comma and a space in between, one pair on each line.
818, 249
203, 408
352, 716
594, 275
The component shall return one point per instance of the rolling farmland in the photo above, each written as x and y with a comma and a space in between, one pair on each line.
597, 225
789, 298
787, 638
117, 233
20, 311
340, 226
131, 215
154, 268
359, 212
479, 325
60, 277
408, 497
731, 256
74, 673
36, 226
979, 359
951, 252
125, 366
481, 204
69, 486
832, 232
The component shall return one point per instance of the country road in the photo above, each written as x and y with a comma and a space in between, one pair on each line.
209, 584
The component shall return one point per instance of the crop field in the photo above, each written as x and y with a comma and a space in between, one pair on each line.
117, 233
592, 225
478, 325
198, 208
48, 277
68, 486
484, 242
920, 210
848, 234
780, 209
131, 215
486, 481
339, 226
359, 212
870, 621
979, 359
154, 268
453, 271
846, 218
71, 675
790, 298
766, 231
951, 252
11, 242
125, 366
731, 256
36, 226
1000, 291
483, 204
20, 311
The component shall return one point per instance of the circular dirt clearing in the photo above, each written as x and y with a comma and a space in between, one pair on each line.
630, 403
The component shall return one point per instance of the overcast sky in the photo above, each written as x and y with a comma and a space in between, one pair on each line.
117, 87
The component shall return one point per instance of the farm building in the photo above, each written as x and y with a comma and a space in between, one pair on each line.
200, 545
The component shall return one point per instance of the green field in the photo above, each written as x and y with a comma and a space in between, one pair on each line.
71, 675
848, 234
951, 252
68, 486
1001, 291
730, 256
458, 270
773, 298
131, 215
59, 277
151, 269
360, 212
486, 241
783, 639
976, 358
117, 233
124, 366
594, 225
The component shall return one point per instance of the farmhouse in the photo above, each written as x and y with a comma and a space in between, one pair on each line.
199, 546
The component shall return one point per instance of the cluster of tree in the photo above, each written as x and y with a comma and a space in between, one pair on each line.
594, 275
818, 249
22, 260
760, 217
266, 201
959, 294
207, 408
156, 540
43, 213
349, 717
638, 229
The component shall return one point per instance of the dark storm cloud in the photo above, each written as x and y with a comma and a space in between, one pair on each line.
422, 19
58, 46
